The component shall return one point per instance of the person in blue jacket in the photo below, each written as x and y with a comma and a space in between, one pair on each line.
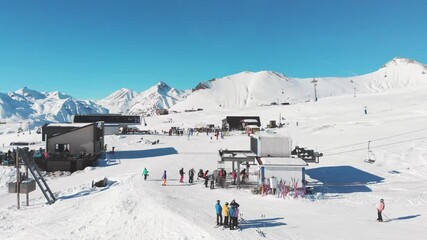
231, 213
218, 210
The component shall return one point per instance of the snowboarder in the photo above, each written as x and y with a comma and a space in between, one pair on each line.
234, 176
380, 208
191, 175
225, 213
145, 173
218, 210
164, 177
181, 173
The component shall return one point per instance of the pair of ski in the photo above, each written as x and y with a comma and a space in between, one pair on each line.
261, 233
225, 227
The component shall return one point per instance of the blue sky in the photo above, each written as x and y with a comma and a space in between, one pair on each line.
89, 49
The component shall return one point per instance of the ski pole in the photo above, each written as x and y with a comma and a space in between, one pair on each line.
388, 219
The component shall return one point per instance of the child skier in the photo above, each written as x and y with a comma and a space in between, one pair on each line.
164, 177
380, 208
181, 173
145, 173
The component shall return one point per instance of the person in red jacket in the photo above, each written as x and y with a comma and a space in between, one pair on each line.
380, 208
234, 176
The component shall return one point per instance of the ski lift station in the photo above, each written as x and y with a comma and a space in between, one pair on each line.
273, 157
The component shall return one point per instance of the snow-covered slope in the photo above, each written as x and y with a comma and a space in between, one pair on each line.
27, 104
248, 89
346, 189
159, 96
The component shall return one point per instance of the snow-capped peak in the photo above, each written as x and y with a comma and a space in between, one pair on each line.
402, 62
58, 95
30, 94
123, 94
159, 96
160, 87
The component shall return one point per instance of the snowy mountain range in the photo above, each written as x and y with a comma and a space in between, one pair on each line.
244, 89
27, 104
159, 96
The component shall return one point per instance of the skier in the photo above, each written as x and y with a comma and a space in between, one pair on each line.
233, 216
145, 173
212, 180
206, 177
220, 178
243, 174
200, 174
112, 149
380, 208
218, 210
181, 173
234, 176
191, 175
231, 213
225, 213
236, 216
164, 177
224, 177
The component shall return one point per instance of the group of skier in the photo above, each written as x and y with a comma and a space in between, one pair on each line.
230, 213
217, 177
191, 173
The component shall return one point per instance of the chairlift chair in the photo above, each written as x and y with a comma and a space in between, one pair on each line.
371, 155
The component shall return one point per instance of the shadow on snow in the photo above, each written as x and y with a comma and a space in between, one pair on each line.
261, 223
87, 192
111, 159
342, 179
156, 152
405, 217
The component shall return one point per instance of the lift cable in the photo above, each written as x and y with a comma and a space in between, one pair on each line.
378, 139
382, 145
